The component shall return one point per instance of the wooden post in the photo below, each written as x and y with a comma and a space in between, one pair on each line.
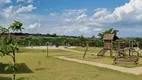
137, 44
132, 48
86, 50
29, 43
110, 52
129, 47
119, 45
47, 49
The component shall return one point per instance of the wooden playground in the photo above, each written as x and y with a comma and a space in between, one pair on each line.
123, 53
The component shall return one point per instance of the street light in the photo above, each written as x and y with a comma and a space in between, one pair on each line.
47, 48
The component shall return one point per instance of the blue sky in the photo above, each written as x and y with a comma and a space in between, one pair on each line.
74, 17
60, 5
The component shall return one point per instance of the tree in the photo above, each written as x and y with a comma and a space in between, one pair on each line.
109, 31
93, 37
82, 40
9, 45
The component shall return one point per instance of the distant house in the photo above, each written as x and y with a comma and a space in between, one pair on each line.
17, 35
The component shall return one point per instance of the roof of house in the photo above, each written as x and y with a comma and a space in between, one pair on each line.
110, 37
17, 36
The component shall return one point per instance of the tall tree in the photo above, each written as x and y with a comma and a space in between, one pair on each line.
9, 45
109, 31
82, 40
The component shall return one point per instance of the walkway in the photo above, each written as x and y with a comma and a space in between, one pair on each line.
136, 71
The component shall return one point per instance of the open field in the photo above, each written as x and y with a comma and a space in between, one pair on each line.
55, 69
90, 56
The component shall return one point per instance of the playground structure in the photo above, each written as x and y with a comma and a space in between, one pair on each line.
113, 43
122, 57
138, 50
108, 44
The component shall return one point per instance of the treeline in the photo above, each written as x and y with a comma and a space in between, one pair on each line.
44, 35
60, 41
79, 41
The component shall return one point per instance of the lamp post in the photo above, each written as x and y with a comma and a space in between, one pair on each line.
47, 48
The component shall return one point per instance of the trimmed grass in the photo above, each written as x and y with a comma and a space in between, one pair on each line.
107, 59
56, 69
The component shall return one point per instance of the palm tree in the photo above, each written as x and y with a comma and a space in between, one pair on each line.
16, 26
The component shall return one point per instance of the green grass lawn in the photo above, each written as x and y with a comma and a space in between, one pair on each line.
56, 69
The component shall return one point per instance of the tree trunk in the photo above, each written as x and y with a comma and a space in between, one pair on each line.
86, 50
14, 61
47, 49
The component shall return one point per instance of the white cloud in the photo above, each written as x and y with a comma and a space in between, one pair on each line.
82, 18
101, 13
126, 18
28, 1
35, 25
99, 9
84, 29
53, 14
3, 2
8, 11
98, 29
129, 12
74, 12
20, 0
6, 1
28, 8
11, 11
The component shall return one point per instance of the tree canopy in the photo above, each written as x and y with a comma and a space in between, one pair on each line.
109, 31
9, 44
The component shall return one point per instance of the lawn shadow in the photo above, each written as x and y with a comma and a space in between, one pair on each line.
40, 69
22, 69
8, 78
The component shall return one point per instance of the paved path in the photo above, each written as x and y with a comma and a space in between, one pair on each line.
136, 71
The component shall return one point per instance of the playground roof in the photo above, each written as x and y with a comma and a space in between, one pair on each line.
110, 37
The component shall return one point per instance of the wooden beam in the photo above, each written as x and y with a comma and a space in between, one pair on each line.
87, 46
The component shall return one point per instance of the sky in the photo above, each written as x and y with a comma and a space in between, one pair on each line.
74, 17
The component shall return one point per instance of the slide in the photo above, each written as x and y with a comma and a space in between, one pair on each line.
102, 52
138, 50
